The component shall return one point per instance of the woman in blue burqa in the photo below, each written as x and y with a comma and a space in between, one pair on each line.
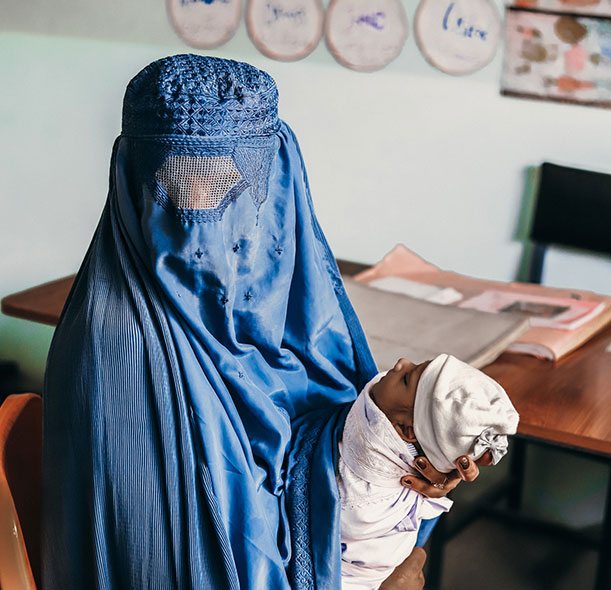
206, 357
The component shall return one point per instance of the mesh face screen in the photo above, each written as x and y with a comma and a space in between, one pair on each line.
192, 182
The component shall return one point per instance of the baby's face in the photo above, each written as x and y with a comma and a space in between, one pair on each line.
395, 395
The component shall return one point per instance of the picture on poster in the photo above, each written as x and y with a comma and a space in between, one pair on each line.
559, 57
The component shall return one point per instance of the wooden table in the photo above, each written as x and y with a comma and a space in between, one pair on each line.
566, 404
572, 405
563, 404
42, 304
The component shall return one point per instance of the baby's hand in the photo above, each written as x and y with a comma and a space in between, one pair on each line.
434, 484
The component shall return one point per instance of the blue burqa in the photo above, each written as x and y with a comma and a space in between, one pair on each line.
203, 364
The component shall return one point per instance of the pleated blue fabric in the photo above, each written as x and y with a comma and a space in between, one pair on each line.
200, 373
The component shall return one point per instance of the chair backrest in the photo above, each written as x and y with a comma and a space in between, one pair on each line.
573, 209
20, 483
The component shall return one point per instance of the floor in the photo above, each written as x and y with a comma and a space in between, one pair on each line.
490, 555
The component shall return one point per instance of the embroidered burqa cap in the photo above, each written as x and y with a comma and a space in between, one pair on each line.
191, 95
198, 377
461, 411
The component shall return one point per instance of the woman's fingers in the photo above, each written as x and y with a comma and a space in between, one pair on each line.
485, 459
428, 489
436, 484
467, 468
423, 465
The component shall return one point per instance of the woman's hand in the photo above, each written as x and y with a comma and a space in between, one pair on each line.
408, 575
434, 484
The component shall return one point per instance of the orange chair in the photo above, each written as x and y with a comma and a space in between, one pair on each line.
20, 480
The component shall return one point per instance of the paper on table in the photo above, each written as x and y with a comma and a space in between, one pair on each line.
441, 295
545, 342
401, 326
562, 313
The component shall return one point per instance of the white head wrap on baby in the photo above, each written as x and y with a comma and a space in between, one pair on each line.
461, 411
371, 447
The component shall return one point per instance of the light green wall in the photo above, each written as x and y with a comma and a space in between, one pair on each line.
406, 154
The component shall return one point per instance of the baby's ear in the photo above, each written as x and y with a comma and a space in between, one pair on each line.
411, 435
406, 433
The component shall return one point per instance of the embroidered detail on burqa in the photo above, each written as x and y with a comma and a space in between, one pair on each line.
200, 188
199, 183
191, 95
301, 567
255, 164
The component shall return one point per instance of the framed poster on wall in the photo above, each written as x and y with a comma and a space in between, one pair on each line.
583, 7
559, 57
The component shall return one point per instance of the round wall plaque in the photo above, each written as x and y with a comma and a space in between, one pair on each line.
205, 23
286, 30
365, 35
457, 36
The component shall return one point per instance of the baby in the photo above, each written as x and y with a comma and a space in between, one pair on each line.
442, 409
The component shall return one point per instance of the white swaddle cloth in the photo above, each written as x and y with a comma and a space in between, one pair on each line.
461, 411
379, 517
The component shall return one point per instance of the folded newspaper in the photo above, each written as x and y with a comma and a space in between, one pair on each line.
398, 325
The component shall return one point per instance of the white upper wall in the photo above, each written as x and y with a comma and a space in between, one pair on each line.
407, 154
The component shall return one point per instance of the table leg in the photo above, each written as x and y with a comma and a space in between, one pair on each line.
603, 571
439, 538
517, 468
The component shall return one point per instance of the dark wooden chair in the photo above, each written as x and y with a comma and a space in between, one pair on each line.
573, 210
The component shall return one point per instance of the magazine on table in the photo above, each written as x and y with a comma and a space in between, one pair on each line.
540, 340
562, 313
